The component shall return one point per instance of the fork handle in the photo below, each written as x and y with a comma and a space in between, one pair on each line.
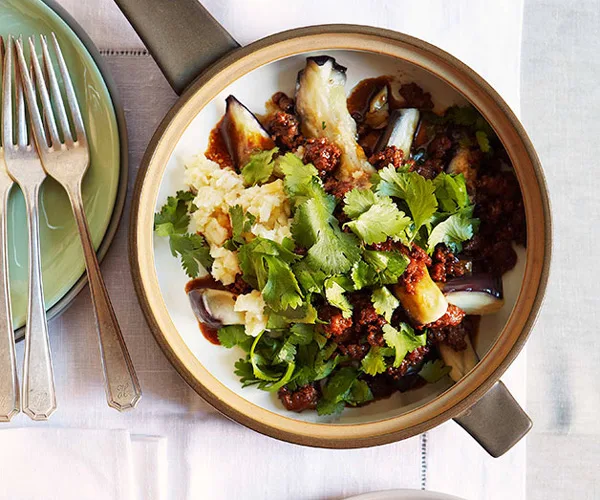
9, 386
121, 383
39, 397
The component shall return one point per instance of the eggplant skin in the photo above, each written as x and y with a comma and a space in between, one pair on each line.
400, 130
321, 105
476, 294
242, 133
427, 304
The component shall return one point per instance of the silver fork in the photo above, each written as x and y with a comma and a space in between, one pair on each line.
67, 161
9, 385
25, 167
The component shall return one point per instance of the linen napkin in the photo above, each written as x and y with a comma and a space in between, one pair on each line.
66, 464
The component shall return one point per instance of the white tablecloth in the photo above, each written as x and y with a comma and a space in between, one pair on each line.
209, 456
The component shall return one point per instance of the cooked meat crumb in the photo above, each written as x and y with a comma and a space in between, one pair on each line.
337, 187
413, 358
323, 154
336, 325
305, 398
285, 130
415, 97
239, 286
445, 265
284, 102
453, 316
389, 156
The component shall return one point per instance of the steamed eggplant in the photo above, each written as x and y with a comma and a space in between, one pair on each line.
379, 110
476, 294
400, 130
427, 304
242, 133
462, 362
321, 105
214, 307
463, 163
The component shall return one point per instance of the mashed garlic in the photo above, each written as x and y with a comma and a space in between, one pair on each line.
217, 189
253, 305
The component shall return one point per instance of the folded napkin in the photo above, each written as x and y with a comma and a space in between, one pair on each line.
81, 463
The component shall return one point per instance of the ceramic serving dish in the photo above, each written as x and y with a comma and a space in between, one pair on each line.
253, 74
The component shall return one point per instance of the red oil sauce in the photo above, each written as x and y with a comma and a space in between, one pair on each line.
209, 333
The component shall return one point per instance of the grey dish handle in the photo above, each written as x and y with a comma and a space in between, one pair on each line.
181, 35
497, 422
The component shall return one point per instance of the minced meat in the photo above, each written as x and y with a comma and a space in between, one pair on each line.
389, 156
452, 317
323, 154
305, 398
445, 265
413, 358
335, 325
285, 130
415, 96
283, 102
454, 336
416, 269
337, 187
239, 286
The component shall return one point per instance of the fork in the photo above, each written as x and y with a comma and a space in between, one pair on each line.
67, 160
24, 166
9, 385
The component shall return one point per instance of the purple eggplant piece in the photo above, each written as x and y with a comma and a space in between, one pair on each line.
214, 307
475, 294
321, 105
242, 133
400, 130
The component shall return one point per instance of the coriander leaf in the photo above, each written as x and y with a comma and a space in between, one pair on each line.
415, 190
451, 192
300, 180
329, 249
360, 393
334, 293
192, 250
358, 201
234, 335
336, 390
311, 280
287, 353
384, 302
327, 407
483, 141
281, 291
455, 230
275, 379
301, 334
381, 221
243, 369
389, 266
363, 275
433, 371
462, 115
173, 217
240, 223
403, 341
259, 168
373, 363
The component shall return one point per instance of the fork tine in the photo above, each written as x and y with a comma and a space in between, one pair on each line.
34, 112
7, 132
20, 101
55, 91
45, 97
71, 97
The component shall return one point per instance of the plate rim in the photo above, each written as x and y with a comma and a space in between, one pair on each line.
463, 394
117, 211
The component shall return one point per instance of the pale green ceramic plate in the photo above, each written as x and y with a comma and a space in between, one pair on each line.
62, 257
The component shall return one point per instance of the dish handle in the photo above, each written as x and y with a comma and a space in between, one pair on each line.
181, 35
497, 422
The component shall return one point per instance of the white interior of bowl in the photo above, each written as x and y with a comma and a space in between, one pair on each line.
254, 89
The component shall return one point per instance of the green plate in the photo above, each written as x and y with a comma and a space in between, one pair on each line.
62, 258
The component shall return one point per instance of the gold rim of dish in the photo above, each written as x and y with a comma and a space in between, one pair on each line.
460, 396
